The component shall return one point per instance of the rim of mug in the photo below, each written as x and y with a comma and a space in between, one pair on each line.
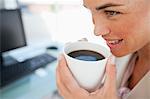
70, 44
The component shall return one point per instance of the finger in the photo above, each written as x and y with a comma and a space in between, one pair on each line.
68, 78
62, 89
66, 75
95, 92
83, 39
110, 81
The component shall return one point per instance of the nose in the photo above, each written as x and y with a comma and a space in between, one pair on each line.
100, 27
101, 30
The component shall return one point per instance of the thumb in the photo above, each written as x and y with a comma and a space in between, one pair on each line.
110, 81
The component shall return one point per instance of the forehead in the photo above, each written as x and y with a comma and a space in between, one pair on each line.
94, 3
132, 5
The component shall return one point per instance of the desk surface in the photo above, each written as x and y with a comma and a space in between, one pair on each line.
40, 84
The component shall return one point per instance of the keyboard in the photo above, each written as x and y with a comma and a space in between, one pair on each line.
15, 71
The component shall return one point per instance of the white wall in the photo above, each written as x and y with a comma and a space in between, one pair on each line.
1, 4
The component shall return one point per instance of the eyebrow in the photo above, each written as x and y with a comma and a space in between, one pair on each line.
107, 5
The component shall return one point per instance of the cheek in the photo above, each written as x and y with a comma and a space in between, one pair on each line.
138, 33
135, 33
123, 29
128, 26
135, 30
127, 30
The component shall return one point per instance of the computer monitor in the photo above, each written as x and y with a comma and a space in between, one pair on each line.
12, 30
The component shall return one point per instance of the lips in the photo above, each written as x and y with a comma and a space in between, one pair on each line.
113, 43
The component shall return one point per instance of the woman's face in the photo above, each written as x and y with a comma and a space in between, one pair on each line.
124, 24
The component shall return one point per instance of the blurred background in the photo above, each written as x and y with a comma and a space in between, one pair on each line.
33, 33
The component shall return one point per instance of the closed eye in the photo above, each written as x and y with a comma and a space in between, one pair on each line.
111, 13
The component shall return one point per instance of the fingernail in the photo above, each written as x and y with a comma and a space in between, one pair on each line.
93, 93
112, 59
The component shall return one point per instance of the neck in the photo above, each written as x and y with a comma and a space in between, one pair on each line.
142, 66
144, 57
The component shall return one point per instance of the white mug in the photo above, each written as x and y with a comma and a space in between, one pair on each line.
88, 74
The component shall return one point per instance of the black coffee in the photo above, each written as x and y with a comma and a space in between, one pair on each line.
86, 55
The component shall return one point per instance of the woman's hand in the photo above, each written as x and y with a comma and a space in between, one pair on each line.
69, 88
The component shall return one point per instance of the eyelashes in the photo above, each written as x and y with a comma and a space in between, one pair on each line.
111, 13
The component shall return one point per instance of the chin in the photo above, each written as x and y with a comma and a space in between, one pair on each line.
119, 54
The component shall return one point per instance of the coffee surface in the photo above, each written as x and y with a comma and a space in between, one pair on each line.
86, 55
